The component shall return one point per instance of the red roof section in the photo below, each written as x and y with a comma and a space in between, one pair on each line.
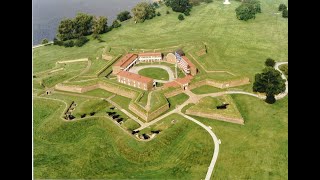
149, 54
171, 84
126, 60
179, 81
188, 61
135, 77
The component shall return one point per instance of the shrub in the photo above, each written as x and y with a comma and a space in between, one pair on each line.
116, 24
248, 9
125, 15
57, 42
285, 13
270, 99
270, 62
81, 41
158, 14
282, 7
181, 17
187, 13
168, 12
68, 43
44, 41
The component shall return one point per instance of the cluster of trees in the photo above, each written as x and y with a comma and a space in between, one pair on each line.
269, 82
182, 6
72, 32
284, 9
143, 11
248, 9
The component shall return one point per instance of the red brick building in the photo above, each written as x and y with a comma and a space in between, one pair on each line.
135, 80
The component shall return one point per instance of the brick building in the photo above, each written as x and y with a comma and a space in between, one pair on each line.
135, 80
150, 57
124, 63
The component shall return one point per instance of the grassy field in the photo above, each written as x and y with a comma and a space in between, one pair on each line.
208, 105
205, 89
155, 73
96, 148
258, 149
177, 100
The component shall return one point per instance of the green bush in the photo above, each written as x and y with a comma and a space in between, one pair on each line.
44, 41
168, 12
187, 13
285, 13
248, 9
116, 24
270, 99
81, 41
282, 7
270, 62
158, 14
181, 17
57, 42
68, 43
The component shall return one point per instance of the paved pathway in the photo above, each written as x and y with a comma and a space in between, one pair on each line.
136, 69
279, 96
216, 144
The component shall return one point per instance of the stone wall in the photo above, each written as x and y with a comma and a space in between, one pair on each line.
216, 116
221, 85
173, 92
152, 115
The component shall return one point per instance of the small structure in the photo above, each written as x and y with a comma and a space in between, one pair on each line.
226, 2
125, 63
150, 57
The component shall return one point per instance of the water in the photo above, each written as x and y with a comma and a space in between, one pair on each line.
47, 14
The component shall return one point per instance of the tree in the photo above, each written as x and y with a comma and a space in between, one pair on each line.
143, 11
69, 43
285, 13
187, 13
270, 62
57, 42
282, 7
44, 41
269, 82
83, 24
181, 17
66, 29
124, 15
158, 14
270, 99
100, 25
178, 5
167, 12
155, 5
248, 9
81, 41
116, 24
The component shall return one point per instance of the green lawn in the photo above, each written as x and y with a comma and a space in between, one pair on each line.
205, 89
130, 125
91, 105
177, 100
209, 104
96, 148
99, 93
258, 149
155, 73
